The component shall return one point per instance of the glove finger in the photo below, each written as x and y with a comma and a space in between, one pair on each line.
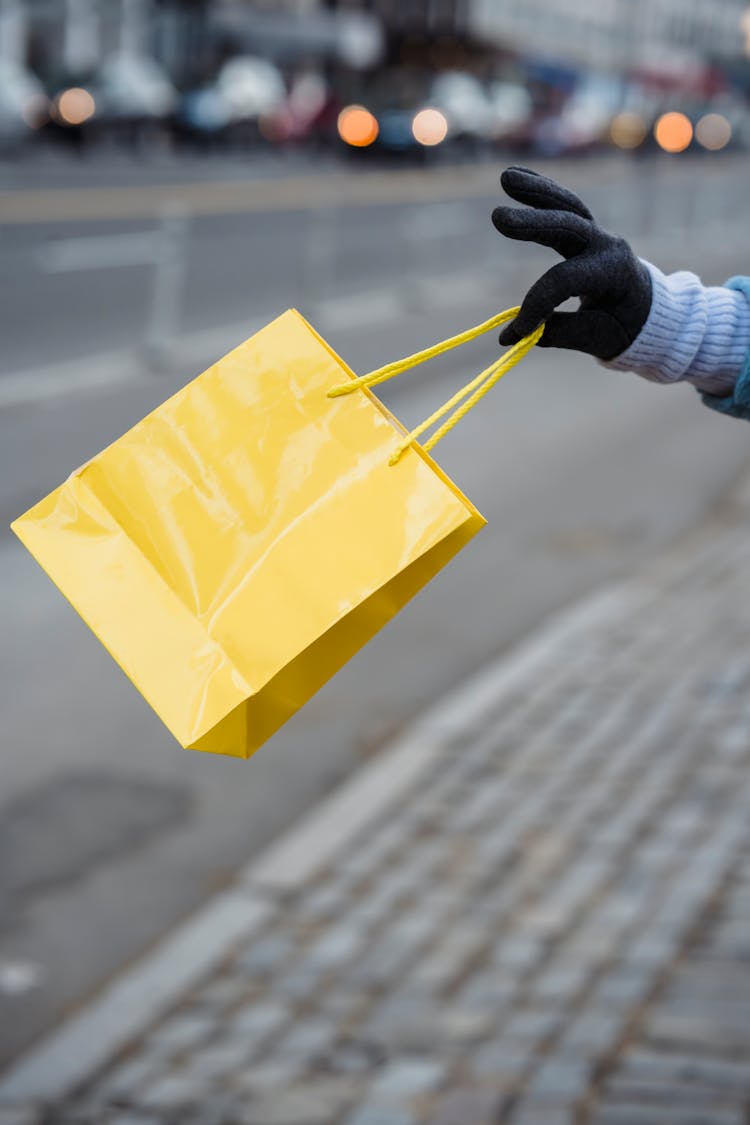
526, 186
589, 330
565, 330
562, 231
554, 287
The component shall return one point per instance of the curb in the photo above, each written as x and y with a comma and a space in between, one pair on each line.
65, 1058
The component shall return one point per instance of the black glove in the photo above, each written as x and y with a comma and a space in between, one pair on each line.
600, 268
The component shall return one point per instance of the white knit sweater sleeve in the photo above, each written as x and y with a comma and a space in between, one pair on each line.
694, 333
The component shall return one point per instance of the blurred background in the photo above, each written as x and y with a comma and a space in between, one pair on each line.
173, 173
418, 79
160, 131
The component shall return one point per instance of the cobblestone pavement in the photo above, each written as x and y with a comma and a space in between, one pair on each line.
552, 926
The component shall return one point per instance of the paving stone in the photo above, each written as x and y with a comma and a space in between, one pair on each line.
629, 1089
502, 1063
686, 1001
381, 1115
548, 919
358, 866
299, 981
560, 1078
582, 879
594, 1032
711, 979
489, 988
329, 901
181, 1032
219, 1059
123, 1119
684, 1069
401, 882
343, 1004
642, 1114
533, 1026
531, 1113
179, 1088
468, 1107
562, 982
651, 950
625, 987
732, 939
373, 908
271, 1074
463, 1023
339, 944
379, 966
403, 1022
220, 994
426, 859
93, 1102
352, 1057
318, 1102
519, 954
216, 1108
451, 959
403, 1078
265, 954
256, 1022
387, 961
129, 1079
697, 1031
307, 1037
411, 932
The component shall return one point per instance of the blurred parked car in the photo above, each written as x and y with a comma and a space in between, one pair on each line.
512, 107
414, 113
246, 91
133, 96
394, 117
250, 87
573, 120
308, 114
23, 103
393, 129
467, 106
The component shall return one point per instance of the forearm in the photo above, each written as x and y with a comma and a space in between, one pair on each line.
694, 333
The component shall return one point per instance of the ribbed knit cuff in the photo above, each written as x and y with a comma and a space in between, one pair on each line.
693, 333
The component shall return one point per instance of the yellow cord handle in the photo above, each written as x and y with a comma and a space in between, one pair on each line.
475, 390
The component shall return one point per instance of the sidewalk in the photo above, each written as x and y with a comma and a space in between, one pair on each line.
534, 909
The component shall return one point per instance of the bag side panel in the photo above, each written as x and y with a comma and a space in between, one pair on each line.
164, 651
288, 691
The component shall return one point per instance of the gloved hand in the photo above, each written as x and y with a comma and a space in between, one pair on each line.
600, 268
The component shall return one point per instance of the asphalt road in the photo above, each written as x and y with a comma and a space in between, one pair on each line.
108, 832
79, 261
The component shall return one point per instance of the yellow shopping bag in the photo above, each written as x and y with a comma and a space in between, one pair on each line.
239, 544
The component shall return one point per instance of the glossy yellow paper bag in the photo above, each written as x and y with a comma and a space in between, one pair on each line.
239, 544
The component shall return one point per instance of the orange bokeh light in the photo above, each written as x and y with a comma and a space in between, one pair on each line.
357, 126
673, 132
74, 106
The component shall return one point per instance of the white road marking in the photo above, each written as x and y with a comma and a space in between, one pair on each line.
69, 255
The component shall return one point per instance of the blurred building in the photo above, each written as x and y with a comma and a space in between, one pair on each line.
59, 38
435, 16
621, 34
